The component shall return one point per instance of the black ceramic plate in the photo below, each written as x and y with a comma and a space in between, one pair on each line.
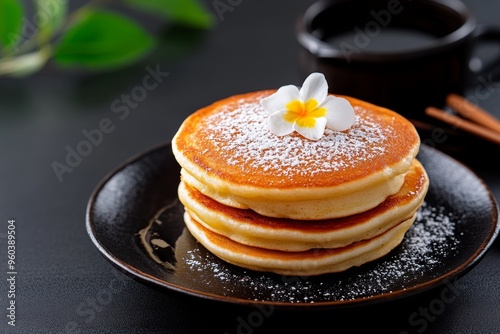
135, 220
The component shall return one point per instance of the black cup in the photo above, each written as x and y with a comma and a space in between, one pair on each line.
426, 59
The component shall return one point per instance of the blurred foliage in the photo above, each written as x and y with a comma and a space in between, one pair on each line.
91, 37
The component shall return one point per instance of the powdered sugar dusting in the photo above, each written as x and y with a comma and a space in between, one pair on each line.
426, 243
431, 239
240, 137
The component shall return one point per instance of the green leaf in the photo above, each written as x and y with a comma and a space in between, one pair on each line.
52, 14
186, 12
11, 20
102, 40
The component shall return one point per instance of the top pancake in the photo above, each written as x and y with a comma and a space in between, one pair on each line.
228, 146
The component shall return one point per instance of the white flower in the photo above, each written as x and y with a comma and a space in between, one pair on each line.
307, 111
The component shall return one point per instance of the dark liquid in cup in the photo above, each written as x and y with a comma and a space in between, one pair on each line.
383, 40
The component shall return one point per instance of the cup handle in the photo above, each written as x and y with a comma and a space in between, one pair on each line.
490, 67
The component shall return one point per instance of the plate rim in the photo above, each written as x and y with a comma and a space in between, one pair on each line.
158, 284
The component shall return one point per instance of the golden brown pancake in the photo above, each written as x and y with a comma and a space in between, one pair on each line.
316, 208
250, 228
228, 154
306, 263
289, 205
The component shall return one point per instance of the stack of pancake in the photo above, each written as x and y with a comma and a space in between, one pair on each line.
293, 206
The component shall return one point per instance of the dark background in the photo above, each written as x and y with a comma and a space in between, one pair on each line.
59, 269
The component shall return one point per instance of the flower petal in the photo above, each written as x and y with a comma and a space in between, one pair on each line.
278, 125
314, 87
280, 99
312, 133
340, 114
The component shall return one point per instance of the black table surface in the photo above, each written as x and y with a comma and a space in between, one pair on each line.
60, 274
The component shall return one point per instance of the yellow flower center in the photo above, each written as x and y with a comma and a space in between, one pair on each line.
304, 114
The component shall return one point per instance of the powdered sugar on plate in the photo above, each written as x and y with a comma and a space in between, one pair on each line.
431, 238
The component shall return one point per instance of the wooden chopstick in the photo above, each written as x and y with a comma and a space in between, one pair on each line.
465, 125
473, 112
